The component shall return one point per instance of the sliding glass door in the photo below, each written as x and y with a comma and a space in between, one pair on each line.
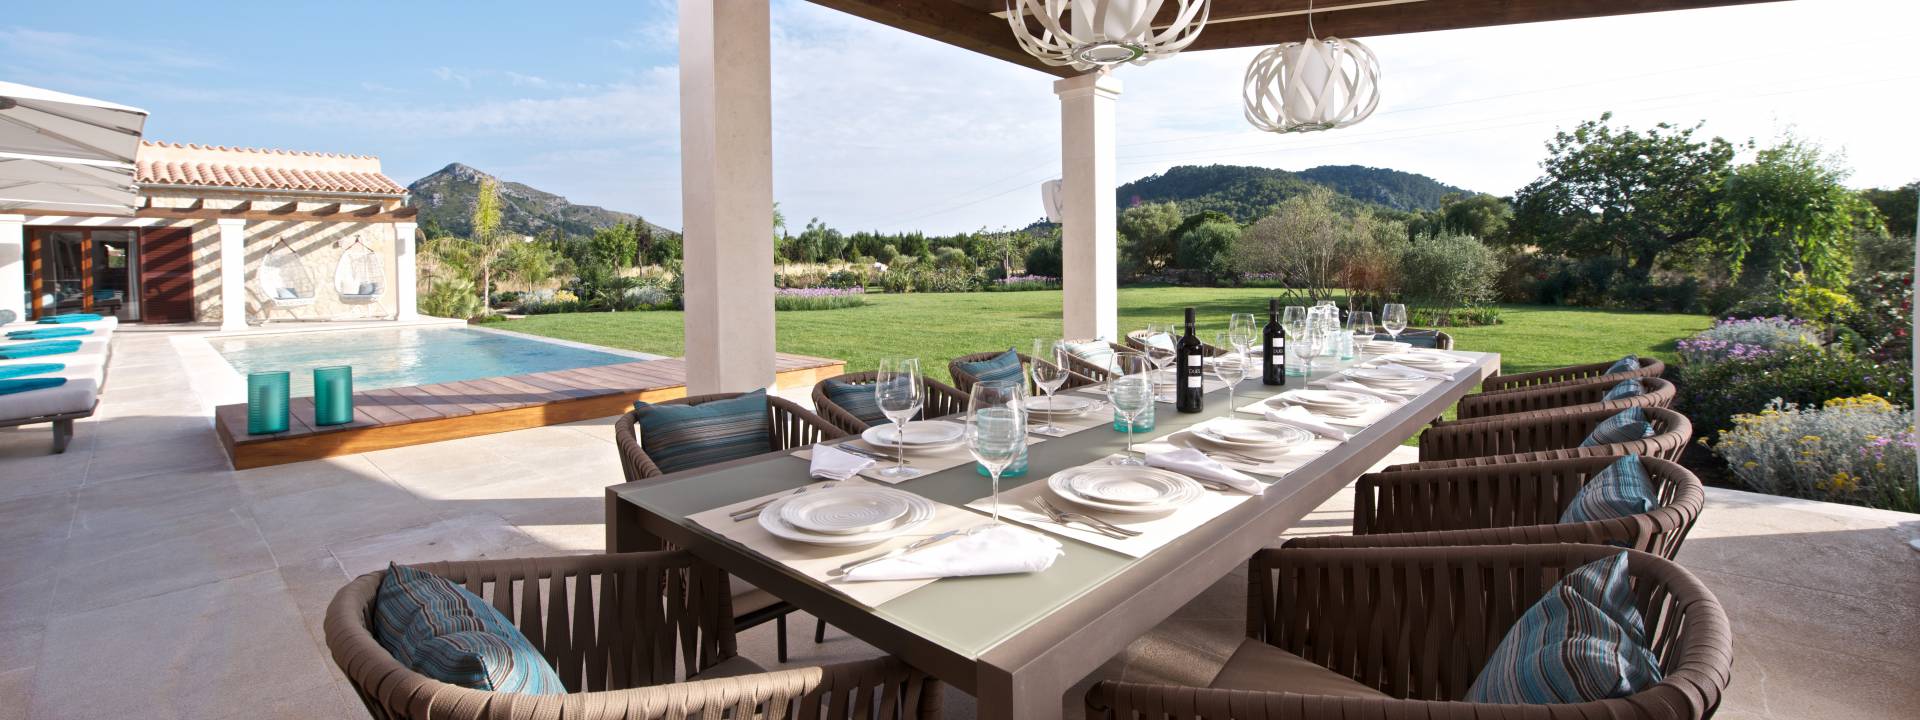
84, 270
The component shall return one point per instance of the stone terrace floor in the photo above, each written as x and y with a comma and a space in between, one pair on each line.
141, 577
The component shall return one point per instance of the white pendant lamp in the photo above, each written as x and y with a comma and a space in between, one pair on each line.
1315, 84
1088, 34
1050, 199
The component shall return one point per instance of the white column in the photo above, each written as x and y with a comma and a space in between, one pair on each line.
233, 274
13, 264
406, 274
726, 195
1090, 304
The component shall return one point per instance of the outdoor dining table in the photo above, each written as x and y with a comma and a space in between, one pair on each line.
1019, 642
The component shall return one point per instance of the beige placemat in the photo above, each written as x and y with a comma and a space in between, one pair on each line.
1100, 415
1276, 467
927, 462
1020, 505
1372, 415
814, 561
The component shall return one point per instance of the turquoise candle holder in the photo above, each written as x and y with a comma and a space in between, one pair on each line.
267, 402
333, 395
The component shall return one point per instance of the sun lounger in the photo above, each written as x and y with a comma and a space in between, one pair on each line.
84, 369
72, 400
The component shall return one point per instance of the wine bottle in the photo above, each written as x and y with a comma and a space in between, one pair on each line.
1274, 370
1190, 370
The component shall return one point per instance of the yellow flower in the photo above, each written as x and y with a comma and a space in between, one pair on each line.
1809, 438
1750, 465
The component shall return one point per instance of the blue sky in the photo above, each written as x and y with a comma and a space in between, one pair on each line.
876, 128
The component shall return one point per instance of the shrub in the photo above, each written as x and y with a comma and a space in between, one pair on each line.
1882, 316
1458, 317
1263, 280
1821, 304
922, 277
1208, 248
852, 277
1711, 395
1018, 283
818, 298
1741, 339
600, 287
451, 297
1856, 450
1044, 259
952, 258
1449, 271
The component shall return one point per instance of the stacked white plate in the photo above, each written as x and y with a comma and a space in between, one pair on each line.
844, 516
1060, 406
1125, 489
1390, 379
1384, 347
1265, 439
1333, 403
1422, 359
922, 435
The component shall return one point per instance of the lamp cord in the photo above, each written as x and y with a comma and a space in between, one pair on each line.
1310, 31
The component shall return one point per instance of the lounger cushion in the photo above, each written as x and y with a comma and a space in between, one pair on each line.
1624, 389
285, 294
1259, 666
1629, 363
12, 386
39, 348
682, 437
70, 318
48, 333
77, 395
23, 369
1584, 641
857, 399
444, 632
1005, 366
1626, 426
1623, 489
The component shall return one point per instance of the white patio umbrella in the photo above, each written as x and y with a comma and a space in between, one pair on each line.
65, 152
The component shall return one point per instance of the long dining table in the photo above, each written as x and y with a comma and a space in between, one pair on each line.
1018, 642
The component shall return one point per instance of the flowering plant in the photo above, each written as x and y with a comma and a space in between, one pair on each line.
1026, 282
1856, 450
1735, 339
818, 298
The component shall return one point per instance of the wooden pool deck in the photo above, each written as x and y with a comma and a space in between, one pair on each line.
397, 417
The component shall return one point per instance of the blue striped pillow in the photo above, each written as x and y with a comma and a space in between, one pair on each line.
1626, 426
1624, 389
1629, 363
856, 399
444, 632
1096, 353
1005, 366
682, 437
1623, 489
1583, 641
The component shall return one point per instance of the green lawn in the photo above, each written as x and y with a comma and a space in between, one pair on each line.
937, 327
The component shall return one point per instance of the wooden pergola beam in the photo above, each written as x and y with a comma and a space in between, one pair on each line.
287, 209
325, 210
243, 208
952, 23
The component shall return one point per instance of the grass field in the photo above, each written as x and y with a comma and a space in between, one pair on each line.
936, 327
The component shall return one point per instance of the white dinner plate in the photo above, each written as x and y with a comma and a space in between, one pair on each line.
1390, 378
1266, 438
921, 435
920, 512
1384, 347
1125, 484
1059, 405
1425, 361
846, 510
1338, 403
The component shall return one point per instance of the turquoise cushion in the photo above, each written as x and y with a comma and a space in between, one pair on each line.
1623, 489
36, 349
1627, 388
47, 333
1584, 641
73, 318
682, 437
1159, 340
1005, 366
20, 385
444, 632
1096, 353
857, 399
1629, 363
25, 369
1626, 426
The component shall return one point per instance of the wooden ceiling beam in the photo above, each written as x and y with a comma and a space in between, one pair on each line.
287, 209
325, 210
375, 215
952, 23
1428, 16
245, 206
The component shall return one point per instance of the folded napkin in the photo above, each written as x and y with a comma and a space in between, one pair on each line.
9, 387
73, 318
1396, 367
25, 369
35, 349
47, 333
987, 550
1299, 417
1195, 464
1387, 395
832, 463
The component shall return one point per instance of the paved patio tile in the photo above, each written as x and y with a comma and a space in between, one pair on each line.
20, 646
320, 702
1776, 680
169, 455
468, 537
15, 686
27, 601
228, 550
153, 505
298, 525
260, 484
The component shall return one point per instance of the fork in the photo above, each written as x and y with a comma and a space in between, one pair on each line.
1107, 528
753, 510
865, 453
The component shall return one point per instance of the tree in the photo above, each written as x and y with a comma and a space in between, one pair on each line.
1454, 271
1208, 248
1148, 231
1622, 192
1790, 211
611, 247
487, 239
1481, 215
1897, 205
1300, 242
529, 263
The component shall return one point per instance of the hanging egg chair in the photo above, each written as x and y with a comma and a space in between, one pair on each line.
358, 278
284, 281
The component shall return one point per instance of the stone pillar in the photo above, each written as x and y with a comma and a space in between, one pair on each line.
13, 265
1089, 254
726, 195
233, 274
406, 273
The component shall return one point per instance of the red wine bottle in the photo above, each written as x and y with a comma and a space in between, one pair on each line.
1190, 370
1274, 370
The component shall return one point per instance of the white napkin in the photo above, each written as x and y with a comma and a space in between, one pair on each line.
1387, 395
832, 463
1396, 367
988, 550
1193, 463
1300, 417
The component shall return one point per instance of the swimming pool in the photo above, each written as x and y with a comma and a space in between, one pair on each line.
402, 357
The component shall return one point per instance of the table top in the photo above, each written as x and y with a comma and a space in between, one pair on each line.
966, 619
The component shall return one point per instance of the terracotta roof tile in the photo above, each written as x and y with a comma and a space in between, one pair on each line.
163, 163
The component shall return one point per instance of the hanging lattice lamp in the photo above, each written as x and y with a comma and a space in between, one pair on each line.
1098, 33
1318, 84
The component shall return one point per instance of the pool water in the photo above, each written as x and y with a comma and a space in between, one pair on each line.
400, 357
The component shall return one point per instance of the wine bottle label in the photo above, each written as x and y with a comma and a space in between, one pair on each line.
1193, 361
1279, 343
1193, 381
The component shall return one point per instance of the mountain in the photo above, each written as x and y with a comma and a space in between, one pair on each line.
1249, 193
445, 198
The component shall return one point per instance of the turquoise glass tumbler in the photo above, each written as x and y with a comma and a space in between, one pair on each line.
333, 395
267, 402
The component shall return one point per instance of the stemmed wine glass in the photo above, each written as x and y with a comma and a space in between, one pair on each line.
996, 429
1131, 392
1242, 332
1159, 354
1049, 372
1393, 317
1230, 366
900, 394
1360, 323
1293, 319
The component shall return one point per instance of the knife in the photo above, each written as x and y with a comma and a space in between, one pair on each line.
890, 554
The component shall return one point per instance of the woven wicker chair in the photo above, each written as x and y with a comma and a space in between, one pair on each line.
1136, 342
963, 380
1544, 435
1378, 633
1573, 395
1098, 374
1421, 337
942, 400
635, 636
1519, 504
1593, 372
792, 426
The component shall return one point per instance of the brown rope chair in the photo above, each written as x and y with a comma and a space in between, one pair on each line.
1098, 374
1431, 338
1378, 633
635, 636
791, 426
1572, 395
1136, 342
963, 380
1543, 435
1514, 504
942, 400
1591, 372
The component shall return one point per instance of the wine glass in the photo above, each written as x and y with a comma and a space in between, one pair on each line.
899, 392
1049, 372
1360, 323
996, 429
1157, 353
1242, 332
1393, 317
1293, 319
1131, 392
1230, 366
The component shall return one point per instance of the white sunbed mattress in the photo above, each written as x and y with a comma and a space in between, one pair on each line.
76, 395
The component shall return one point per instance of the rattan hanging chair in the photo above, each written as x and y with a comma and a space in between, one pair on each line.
358, 279
284, 281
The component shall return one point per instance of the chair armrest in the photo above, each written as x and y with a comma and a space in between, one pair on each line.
1110, 699
878, 688
795, 426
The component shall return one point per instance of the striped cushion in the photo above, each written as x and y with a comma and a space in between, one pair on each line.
1625, 426
856, 399
1623, 489
1005, 366
47, 333
1629, 363
1096, 353
1584, 641
681, 437
1627, 388
446, 633
1159, 340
